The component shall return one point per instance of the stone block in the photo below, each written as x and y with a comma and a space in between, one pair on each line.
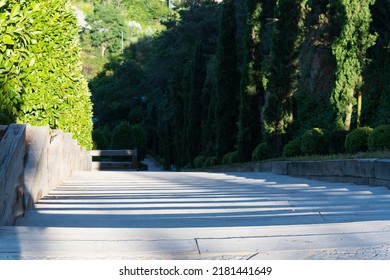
333, 168
35, 170
55, 167
382, 169
359, 168
280, 167
305, 168
12, 151
265, 167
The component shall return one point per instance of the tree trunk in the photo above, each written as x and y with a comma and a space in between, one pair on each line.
348, 117
359, 107
104, 48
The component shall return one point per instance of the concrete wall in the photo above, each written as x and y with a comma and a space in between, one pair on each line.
375, 172
52, 157
33, 161
12, 152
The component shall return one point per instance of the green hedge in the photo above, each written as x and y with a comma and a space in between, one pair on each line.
379, 138
292, 149
199, 161
211, 161
337, 141
314, 141
40, 68
356, 140
127, 136
261, 152
230, 158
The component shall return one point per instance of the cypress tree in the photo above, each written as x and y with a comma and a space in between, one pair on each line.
349, 50
208, 113
194, 100
252, 90
227, 82
176, 97
381, 63
289, 33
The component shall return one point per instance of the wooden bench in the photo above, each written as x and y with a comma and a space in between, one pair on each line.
114, 165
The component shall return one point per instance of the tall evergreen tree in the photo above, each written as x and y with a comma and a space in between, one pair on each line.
177, 99
381, 60
194, 100
208, 113
349, 50
252, 90
227, 82
288, 36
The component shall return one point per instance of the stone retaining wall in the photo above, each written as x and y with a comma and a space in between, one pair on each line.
33, 161
374, 172
52, 157
12, 151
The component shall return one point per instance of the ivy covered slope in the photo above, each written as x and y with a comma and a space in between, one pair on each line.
40, 69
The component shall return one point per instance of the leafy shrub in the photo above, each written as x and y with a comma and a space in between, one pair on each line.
356, 140
126, 136
140, 142
122, 136
230, 158
5, 118
199, 161
211, 161
337, 141
379, 138
100, 141
314, 142
261, 152
292, 149
40, 79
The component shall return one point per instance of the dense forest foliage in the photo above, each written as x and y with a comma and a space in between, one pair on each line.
201, 82
248, 80
40, 68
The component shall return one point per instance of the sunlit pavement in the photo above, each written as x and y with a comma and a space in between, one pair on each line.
177, 215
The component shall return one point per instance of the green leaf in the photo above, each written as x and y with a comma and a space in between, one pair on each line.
15, 10
7, 39
32, 62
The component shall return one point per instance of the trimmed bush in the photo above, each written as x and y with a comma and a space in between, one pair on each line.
199, 161
100, 141
127, 136
41, 80
357, 140
211, 161
379, 138
122, 136
230, 158
337, 141
314, 142
261, 152
292, 149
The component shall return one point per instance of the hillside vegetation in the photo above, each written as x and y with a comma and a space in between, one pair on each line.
202, 82
250, 80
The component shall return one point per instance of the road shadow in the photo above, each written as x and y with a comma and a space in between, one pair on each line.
185, 200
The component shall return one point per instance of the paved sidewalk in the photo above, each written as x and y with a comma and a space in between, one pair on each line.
167, 215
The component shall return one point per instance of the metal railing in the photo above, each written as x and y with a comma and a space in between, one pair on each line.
114, 165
